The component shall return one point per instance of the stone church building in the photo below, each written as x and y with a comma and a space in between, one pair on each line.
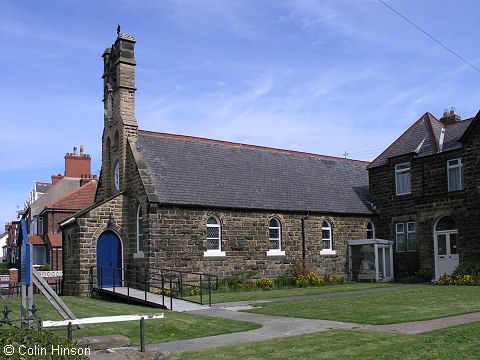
202, 205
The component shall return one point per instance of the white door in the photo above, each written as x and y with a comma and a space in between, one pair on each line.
447, 254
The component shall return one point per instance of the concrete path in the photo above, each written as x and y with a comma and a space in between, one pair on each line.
417, 327
272, 327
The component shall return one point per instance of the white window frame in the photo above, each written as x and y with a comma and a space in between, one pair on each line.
397, 233
408, 229
329, 250
409, 233
372, 230
215, 252
277, 251
116, 176
399, 172
140, 234
459, 165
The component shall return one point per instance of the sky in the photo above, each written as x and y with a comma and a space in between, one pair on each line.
324, 76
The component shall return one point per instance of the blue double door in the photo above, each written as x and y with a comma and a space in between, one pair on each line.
109, 260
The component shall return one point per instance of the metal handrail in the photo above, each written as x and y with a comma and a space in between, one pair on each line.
156, 279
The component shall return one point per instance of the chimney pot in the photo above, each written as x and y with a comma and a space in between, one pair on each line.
81, 150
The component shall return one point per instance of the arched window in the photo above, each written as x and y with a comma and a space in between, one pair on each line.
370, 231
446, 223
327, 235
214, 237
139, 229
116, 176
275, 234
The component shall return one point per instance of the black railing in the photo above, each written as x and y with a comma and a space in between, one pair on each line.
30, 322
10, 291
166, 282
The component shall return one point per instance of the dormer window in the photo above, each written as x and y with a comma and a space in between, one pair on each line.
402, 178
455, 176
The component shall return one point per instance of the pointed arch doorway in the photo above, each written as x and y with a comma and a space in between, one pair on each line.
109, 259
445, 246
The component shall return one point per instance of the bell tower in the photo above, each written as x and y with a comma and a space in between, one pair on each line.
119, 112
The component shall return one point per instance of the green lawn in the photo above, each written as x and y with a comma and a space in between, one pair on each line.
386, 307
459, 342
220, 297
174, 326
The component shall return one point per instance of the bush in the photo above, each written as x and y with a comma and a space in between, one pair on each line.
300, 268
418, 276
458, 280
3, 268
46, 267
32, 339
265, 283
236, 281
285, 280
468, 268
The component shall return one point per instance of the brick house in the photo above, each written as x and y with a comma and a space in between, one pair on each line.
204, 205
425, 188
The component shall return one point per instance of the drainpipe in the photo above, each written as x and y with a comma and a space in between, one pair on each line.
303, 236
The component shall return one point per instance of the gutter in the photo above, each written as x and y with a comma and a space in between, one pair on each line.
69, 221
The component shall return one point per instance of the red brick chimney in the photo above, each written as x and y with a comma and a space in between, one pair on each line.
56, 178
78, 165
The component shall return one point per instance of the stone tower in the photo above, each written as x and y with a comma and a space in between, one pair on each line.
119, 113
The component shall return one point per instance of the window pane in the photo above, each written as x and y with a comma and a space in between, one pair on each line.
400, 242
274, 244
213, 232
369, 234
213, 244
274, 223
326, 234
403, 183
453, 244
446, 223
442, 244
212, 220
399, 228
325, 224
327, 245
454, 179
140, 242
411, 243
274, 233
411, 227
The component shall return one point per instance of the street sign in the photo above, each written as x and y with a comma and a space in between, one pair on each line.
25, 256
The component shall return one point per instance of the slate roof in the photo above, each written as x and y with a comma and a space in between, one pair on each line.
42, 187
195, 171
424, 138
77, 199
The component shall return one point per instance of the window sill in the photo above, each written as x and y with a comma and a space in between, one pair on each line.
409, 193
139, 255
275, 252
328, 252
210, 253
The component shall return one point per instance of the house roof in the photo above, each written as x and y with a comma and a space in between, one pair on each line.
77, 199
203, 172
35, 240
55, 240
424, 138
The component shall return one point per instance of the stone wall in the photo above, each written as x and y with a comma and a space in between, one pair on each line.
429, 200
